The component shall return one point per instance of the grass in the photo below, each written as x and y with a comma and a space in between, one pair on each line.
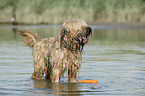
59, 11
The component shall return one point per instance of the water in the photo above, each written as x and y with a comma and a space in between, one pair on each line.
115, 56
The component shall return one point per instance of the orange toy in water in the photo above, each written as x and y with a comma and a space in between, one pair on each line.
89, 81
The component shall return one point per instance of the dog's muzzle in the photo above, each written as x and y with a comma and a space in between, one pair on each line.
82, 40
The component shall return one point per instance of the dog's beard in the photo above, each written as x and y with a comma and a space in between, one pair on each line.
81, 42
74, 43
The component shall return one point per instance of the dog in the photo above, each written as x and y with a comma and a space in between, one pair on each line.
55, 55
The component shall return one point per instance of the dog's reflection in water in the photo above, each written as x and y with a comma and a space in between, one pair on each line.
47, 87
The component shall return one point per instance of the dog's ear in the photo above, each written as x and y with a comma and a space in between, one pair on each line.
62, 34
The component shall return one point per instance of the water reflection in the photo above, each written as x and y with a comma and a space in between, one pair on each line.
46, 87
14, 30
119, 36
9, 33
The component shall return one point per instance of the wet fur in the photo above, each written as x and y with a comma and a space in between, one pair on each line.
53, 56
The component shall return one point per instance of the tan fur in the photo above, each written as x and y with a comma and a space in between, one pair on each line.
29, 38
53, 56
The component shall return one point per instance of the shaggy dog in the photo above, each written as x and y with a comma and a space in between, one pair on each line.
52, 56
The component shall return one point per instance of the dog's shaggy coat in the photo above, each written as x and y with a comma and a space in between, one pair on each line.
52, 56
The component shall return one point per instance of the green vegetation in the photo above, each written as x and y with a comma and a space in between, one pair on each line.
58, 11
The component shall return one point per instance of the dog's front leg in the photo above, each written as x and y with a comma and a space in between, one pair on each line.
72, 72
55, 75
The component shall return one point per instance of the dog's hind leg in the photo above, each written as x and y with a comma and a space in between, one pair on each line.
38, 70
39, 63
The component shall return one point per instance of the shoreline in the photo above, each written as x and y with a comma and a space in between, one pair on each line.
99, 25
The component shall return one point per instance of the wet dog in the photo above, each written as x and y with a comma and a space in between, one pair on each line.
53, 56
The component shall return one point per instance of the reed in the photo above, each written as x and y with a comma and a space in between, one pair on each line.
58, 11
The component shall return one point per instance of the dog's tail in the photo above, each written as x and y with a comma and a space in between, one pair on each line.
29, 38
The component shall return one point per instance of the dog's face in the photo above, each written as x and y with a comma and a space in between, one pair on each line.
74, 35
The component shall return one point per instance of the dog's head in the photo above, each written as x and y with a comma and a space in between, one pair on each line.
74, 35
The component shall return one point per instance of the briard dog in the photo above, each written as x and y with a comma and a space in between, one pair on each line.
53, 56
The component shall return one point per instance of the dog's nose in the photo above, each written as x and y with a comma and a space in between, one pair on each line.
88, 30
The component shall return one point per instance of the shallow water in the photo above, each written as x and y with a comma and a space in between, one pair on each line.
115, 56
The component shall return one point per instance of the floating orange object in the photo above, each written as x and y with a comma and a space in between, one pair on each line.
89, 81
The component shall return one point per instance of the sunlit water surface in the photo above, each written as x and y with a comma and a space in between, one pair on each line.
113, 56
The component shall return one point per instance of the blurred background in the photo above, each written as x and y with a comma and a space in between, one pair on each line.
58, 11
